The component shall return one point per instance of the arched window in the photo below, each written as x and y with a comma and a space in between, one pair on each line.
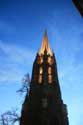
40, 79
49, 70
44, 102
49, 75
49, 79
50, 60
40, 75
40, 70
40, 60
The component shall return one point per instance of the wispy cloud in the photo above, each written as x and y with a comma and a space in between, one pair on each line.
15, 62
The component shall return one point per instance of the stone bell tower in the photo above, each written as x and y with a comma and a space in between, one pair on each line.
44, 104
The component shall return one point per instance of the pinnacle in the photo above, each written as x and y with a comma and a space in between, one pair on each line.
45, 45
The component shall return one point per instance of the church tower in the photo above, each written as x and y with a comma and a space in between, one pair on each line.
44, 104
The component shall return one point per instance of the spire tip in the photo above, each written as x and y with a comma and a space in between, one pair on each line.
45, 45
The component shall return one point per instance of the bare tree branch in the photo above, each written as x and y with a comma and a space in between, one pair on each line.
25, 84
9, 118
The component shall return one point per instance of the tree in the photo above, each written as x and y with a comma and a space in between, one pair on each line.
12, 116
25, 84
9, 117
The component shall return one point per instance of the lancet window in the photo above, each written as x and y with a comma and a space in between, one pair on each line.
40, 70
40, 75
40, 60
49, 75
40, 79
49, 79
49, 70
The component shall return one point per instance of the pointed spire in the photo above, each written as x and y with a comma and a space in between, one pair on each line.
45, 45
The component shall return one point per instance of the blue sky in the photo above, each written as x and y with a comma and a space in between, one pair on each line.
22, 25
